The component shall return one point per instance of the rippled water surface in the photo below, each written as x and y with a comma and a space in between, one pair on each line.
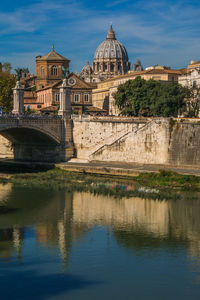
57, 245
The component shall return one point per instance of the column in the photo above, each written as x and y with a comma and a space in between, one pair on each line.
18, 99
65, 100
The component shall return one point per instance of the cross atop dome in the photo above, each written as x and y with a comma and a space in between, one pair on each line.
111, 33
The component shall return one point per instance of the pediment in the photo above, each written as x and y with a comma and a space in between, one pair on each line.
78, 83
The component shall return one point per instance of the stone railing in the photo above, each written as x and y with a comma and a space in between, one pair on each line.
87, 118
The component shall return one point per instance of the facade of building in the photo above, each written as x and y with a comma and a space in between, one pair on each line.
49, 68
191, 76
110, 59
102, 96
48, 98
48, 81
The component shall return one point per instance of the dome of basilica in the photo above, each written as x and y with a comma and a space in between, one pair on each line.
110, 59
111, 48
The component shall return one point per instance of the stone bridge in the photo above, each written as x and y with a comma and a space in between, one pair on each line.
38, 138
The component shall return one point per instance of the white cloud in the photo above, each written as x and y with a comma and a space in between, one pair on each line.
156, 30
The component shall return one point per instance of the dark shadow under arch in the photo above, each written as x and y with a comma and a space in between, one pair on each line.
32, 145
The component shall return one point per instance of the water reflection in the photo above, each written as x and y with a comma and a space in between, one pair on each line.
60, 218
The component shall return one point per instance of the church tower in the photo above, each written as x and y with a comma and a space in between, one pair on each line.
49, 68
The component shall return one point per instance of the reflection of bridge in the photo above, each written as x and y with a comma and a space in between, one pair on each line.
37, 137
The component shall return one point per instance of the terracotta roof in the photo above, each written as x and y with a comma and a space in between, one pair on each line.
51, 108
123, 76
50, 86
52, 55
163, 71
183, 71
135, 74
195, 63
95, 109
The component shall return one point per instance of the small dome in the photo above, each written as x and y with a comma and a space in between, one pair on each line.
111, 48
87, 68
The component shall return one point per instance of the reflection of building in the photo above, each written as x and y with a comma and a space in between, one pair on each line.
11, 240
61, 231
131, 213
102, 96
110, 59
173, 222
5, 192
136, 222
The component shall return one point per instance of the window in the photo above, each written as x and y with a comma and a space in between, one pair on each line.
54, 71
42, 71
71, 81
86, 97
194, 84
104, 67
57, 97
76, 97
156, 77
111, 67
39, 106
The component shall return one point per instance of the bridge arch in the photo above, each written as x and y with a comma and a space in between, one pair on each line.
32, 144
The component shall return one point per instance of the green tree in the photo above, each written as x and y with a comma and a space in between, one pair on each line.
149, 98
6, 67
7, 82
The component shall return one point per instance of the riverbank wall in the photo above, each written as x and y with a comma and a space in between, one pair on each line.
154, 141
137, 140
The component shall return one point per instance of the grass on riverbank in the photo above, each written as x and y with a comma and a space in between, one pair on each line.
167, 179
162, 185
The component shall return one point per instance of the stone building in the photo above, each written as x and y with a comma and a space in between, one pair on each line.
48, 98
48, 81
102, 96
191, 76
110, 59
49, 68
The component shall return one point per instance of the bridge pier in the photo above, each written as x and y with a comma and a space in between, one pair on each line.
18, 99
65, 112
65, 100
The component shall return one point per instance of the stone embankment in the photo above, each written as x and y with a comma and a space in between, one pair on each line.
145, 141
163, 141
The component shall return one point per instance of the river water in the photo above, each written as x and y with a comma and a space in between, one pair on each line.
58, 245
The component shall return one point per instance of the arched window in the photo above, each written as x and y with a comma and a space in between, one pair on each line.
54, 71
42, 71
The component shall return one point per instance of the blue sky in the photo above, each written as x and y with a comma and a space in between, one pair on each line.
156, 32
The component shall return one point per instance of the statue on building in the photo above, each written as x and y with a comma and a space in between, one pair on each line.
19, 73
86, 73
137, 67
65, 72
